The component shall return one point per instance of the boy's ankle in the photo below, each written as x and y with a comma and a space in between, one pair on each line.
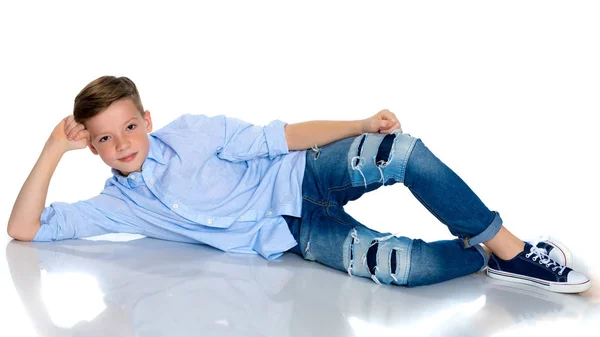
510, 253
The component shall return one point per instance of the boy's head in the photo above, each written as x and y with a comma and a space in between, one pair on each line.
111, 110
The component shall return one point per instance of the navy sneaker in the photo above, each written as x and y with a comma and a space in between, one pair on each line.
533, 267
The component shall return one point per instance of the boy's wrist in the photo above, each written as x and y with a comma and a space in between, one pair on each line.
55, 146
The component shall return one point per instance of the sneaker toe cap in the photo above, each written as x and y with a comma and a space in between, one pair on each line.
575, 277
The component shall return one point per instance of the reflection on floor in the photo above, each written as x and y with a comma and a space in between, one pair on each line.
148, 287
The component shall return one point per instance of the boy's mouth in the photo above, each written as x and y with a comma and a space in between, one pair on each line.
128, 158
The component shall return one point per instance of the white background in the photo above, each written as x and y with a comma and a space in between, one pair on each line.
505, 93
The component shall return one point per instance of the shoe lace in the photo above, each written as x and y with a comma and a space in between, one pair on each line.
542, 254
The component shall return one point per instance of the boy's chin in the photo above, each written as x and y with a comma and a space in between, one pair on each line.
125, 170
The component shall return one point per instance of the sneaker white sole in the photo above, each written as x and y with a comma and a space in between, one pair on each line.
557, 287
572, 306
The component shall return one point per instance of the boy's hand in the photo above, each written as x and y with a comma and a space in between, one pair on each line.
382, 122
70, 135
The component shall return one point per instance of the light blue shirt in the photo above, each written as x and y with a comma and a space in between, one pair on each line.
216, 180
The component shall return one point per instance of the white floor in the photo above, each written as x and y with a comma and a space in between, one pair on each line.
148, 287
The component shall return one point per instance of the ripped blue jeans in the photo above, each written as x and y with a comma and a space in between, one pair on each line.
346, 169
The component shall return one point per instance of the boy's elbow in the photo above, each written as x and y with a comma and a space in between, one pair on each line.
22, 233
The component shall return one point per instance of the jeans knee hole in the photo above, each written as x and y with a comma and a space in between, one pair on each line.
372, 256
385, 148
393, 264
360, 145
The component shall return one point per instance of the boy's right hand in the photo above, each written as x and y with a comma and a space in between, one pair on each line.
70, 135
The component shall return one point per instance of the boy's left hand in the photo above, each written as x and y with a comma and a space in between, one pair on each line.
382, 122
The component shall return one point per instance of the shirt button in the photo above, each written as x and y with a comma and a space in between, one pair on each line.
209, 221
151, 180
132, 176
175, 206
269, 213
241, 217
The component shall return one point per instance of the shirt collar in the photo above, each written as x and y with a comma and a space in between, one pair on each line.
154, 153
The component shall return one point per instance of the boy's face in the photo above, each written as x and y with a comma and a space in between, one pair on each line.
119, 135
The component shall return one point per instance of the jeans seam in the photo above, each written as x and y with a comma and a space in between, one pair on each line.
316, 202
335, 218
335, 189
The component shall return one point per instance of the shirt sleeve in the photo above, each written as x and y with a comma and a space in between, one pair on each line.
96, 216
243, 141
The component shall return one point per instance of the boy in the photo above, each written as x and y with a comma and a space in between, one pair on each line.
248, 189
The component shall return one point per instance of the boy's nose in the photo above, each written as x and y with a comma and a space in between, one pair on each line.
123, 144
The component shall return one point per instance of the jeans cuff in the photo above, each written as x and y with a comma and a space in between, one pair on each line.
484, 254
486, 235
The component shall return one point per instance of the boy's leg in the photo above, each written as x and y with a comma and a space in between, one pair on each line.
452, 201
374, 160
343, 171
505, 245
332, 237
348, 168
446, 196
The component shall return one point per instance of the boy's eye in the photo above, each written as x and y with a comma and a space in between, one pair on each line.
105, 138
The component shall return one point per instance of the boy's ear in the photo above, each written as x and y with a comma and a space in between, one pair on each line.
148, 120
92, 148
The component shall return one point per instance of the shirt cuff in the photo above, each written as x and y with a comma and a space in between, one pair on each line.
275, 136
46, 232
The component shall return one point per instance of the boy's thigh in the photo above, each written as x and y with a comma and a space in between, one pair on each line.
346, 169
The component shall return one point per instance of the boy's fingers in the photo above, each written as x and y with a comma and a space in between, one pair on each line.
70, 132
68, 122
75, 130
70, 127
71, 124
82, 134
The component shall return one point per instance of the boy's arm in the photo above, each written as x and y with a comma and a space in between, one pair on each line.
24, 220
245, 141
303, 136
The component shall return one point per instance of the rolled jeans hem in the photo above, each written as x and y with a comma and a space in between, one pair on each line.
487, 234
484, 254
